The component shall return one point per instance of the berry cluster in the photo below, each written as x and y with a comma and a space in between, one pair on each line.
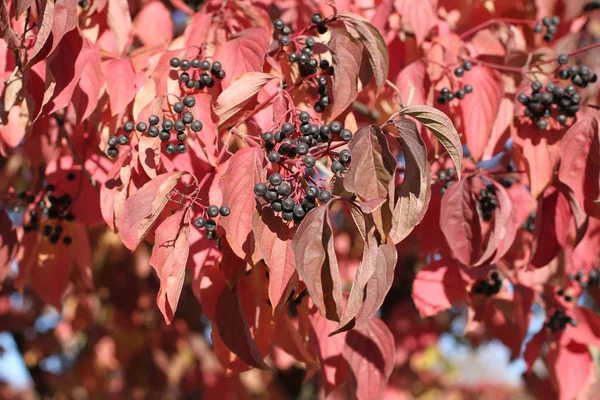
488, 287
551, 24
195, 73
529, 225
559, 320
289, 142
207, 222
446, 94
487, 202
580, 76
53, 207
184, 120
542, 103
281, 197
593, 278
303, 56
446, 176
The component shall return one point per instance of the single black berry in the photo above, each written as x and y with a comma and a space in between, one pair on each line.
220, 74
293, 57
284, 40
196, 125
287, 128
537, 28
113, 141
181, 148
224, 211
324, 64
304, 117
123, 139
211, 226
153, 120
112, 152
563, 59
467, 65
324, 196
275, 179
178, 107
184, 77
260, 189
335, 127
164, 135
181, 136
284, 189
174, 62
322, 81
287, 215
309, 161
537, 86
170, 149
128, 127
185, 65
205, 65
216, 67
460, 94
302, 148
276, 206
189, 101
316, 18
187, 118
199, 222
345, 156
468, 89
195, 63
212, 211
459, 71
179, 125
346, 135
274, 157
337, 166
167, 124
67, 240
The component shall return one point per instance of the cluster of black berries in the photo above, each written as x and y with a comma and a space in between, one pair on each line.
529, 225
309, 65
540, 106
559, 320
194, 79
580, 76
324, 100
446, 176
446, 94
210, 224
487, 202
488, 287
593, 278
180, 125
52, 207
551, 24
561, 293
288, 143
280, 195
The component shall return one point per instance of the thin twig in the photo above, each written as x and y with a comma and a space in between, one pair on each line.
390, 84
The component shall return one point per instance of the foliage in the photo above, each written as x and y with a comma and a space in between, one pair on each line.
322, 187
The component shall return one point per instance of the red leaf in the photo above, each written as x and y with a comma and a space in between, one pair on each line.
346, 55
569, 368
119, 23
87, 92
329, 349
169, 257
237, 184
421, 16
240, 94
58, 18
274, 239
316, 262
243, 53
121, 85
9, 244
374, 45
234, 330
413, 83
369, 352
6, 31
486, 100
534, 348
64, 68
51, 271
198, 28
153, 24
552, 223
437, 287
232, 266
118, 181
460, 223
580, 165
143, 208
377, 270
415, 192
21, 6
